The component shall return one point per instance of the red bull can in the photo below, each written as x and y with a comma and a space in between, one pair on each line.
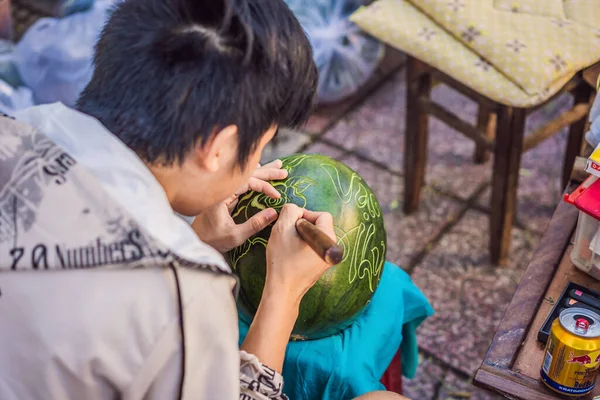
572, 356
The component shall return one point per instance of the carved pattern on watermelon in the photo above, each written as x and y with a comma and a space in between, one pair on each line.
358, 226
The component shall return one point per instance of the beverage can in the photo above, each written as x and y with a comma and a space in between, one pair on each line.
572, 354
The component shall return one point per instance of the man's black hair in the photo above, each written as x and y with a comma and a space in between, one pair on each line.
169, 73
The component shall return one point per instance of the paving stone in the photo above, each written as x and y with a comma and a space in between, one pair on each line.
468, 294
287, 142
322, 148
426, 383
456, 388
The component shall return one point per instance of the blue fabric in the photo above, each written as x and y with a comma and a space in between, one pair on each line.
353, 361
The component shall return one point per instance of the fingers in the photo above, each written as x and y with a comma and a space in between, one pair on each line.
322, 220
260, 177
231, 203
270, 174
273, 164
289, 214
255, 224
271, 171
311, 216
263, 187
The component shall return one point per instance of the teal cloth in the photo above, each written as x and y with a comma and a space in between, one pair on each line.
352, 362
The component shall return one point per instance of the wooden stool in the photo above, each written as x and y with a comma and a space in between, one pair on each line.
500, 129
510, 59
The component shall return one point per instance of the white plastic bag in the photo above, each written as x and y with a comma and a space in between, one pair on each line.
8, 68
13, 95
14, 99
54, 57
346, 57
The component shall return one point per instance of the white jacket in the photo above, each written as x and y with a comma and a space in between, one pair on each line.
91, 256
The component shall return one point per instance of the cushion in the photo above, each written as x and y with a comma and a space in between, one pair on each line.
549, 8
515, 58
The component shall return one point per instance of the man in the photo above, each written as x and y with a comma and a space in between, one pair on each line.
105, 291
187, 94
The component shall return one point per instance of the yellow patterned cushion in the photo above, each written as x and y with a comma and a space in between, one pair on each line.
585, 12
403, 26
550, 8
514, 58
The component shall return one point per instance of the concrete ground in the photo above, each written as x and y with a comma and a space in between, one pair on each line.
443, 246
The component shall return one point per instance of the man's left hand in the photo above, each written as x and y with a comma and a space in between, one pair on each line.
216, 227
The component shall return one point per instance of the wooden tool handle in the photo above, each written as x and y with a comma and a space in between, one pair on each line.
322, 244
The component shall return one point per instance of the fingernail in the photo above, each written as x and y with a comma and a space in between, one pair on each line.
271, 214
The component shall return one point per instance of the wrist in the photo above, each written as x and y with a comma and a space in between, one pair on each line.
281, 294
278, 301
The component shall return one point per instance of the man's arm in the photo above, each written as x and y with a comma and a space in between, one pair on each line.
292, 268
270, 331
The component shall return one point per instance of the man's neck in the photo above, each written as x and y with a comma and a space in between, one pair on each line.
166, 177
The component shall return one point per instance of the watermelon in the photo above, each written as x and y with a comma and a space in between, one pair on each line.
318, 183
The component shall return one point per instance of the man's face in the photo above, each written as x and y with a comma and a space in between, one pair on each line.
237, 177
204, 188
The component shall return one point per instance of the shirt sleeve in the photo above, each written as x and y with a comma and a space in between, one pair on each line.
257, 381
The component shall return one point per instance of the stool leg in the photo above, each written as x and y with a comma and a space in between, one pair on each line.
486, 123
507, 162
582, 94
418, 82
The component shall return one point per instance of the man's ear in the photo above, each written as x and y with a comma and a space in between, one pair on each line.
219, 150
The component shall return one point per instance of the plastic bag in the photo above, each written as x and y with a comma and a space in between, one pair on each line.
13, 95
54, 57
8, 68
346, 57
14, 99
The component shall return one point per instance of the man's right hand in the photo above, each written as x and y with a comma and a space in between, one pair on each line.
292, 266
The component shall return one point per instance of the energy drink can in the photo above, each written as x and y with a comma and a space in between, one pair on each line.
572, 356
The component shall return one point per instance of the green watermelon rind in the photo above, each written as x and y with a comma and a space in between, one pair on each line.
363, 263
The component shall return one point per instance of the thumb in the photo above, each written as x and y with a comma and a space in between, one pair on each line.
255, 224
290, 213
322, 220
231, 203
